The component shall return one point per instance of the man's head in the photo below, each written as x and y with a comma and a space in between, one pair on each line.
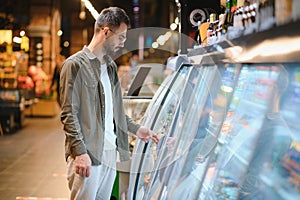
112, 17
114, 22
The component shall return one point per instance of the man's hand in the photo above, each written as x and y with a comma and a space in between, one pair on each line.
83, 165
145, 134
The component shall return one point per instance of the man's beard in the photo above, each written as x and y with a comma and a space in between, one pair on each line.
110, 51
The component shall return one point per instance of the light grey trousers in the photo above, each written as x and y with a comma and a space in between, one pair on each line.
98, 185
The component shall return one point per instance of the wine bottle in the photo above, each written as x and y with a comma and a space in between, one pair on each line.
228, 17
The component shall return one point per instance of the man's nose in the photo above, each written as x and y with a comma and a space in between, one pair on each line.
121, 44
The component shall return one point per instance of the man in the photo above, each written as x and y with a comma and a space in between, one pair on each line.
92, 110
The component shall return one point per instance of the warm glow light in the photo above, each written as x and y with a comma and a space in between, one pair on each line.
168, 35
155, 45
66, 43
235, 51
25, 43
173, 26
272, 47
82, 15
39, 45
279, 46
59, 32
176, 20
5, 36
91, 8
22, 33
17, 40
161, 40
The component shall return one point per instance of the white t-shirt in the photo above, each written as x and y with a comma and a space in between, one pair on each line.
110, 137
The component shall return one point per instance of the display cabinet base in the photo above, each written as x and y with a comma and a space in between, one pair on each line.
43, 108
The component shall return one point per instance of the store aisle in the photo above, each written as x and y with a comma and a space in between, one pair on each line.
32, 164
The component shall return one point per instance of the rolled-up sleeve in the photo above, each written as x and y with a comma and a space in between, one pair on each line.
70, 90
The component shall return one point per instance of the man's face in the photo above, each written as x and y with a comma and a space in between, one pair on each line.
115, 40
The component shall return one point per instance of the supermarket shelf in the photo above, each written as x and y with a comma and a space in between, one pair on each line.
278, 44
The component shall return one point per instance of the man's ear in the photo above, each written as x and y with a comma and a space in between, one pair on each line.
105, 29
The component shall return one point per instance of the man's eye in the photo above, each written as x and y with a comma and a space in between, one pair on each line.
122, 38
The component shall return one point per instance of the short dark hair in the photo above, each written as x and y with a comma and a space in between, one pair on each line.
112, 17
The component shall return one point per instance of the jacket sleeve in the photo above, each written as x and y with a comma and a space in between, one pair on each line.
70, 104
132, 125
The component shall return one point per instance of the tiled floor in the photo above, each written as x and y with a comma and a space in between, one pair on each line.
32, 164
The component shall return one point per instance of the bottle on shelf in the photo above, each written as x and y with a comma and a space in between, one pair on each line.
220, 27
211, 31
240, 3
250, 20
295, 10
238, 18
266, 16
228, 19
283, 11
233, 6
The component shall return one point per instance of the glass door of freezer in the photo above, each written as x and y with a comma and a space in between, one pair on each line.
289, 161
168, 162
274, 171
197, 132
161, 112
146, 120
242, 126
196, 121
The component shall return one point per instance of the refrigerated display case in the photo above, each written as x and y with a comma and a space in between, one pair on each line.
196, 131
257, 154
275, 166
161, 110
253, 150
291, 112
136, 99
251, 103
203, 102
259, 138
168, 161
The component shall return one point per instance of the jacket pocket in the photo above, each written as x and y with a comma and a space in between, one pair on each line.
90, 92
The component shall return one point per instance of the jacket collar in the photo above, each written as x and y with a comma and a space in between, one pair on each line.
92, 56
89, 54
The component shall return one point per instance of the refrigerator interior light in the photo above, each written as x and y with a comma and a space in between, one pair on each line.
226, 88
278, 46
